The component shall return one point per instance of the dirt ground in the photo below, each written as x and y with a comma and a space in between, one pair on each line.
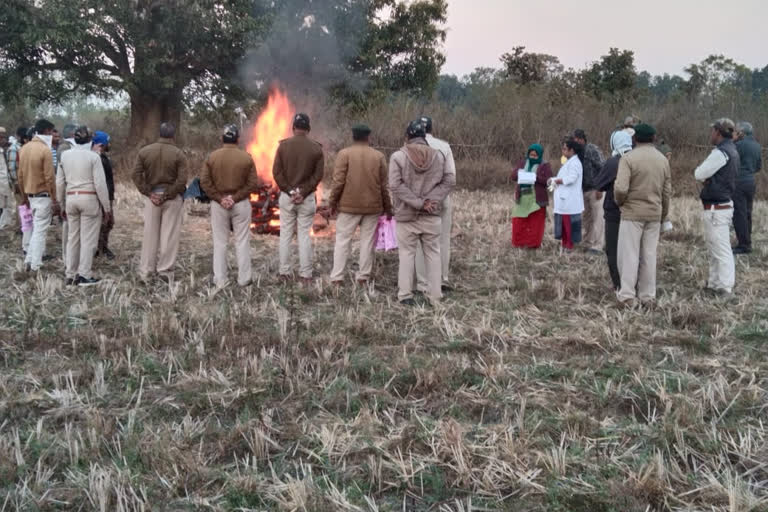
527, 389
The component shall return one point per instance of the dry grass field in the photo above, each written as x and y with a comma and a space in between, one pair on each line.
526, 390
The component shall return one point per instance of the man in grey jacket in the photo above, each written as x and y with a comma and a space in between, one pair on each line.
750, 163
419, 183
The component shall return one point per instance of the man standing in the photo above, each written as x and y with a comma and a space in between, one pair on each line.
100, 145
718, 173
68, 134
55, 141
297, 170
228, 178
750, 163
360, 194
7, 201
446, 216
419, 184
160, 175
621, 144
642, 191
592, 221
38, 190
81, 187
12, 157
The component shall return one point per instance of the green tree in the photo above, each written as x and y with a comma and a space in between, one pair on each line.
716, 76
155, 51
525, 67
613, 76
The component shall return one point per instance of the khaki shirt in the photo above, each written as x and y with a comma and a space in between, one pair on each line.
360, 181
229, 171
161, 165
299, 163
80, 170
643, 185
36, 169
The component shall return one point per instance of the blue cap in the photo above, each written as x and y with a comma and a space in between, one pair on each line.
100, 138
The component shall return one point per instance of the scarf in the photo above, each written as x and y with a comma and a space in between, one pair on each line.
532, 164
48, 139
621, 142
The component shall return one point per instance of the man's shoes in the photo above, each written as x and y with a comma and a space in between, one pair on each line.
594, 252
246, 284
48, 257
71, 281
446, 288
87, 281
742, 250
408, 302
109, 254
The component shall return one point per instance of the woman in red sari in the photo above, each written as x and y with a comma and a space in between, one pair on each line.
531, 199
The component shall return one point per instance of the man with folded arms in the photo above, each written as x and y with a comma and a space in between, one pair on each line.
228, 178
81, 186
718, 173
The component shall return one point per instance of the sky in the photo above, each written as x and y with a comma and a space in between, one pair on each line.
666, 36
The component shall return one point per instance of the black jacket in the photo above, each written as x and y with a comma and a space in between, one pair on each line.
750, 158
107, 164
720, 187
604, 182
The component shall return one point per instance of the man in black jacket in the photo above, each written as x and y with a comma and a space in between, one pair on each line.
621, 143
750, 163
101, 146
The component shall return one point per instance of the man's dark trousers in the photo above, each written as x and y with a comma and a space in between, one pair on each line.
742, 211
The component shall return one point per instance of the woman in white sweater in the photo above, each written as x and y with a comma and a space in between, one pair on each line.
568, 197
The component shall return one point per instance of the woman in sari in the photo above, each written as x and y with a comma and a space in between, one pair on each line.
531, 199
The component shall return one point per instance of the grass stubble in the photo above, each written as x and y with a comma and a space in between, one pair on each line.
527, 389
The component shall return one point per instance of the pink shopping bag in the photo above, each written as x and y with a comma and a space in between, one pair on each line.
25, 214
386, 237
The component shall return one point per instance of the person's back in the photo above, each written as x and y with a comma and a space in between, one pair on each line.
36, 168
162, 164
230, 171
299, 164
642, 197
422, 169
366, 180
77, 166
750, 157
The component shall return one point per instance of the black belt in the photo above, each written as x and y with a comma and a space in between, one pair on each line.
41, 194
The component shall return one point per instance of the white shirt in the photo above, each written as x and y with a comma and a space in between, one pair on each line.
80, 170
569, 199
709, 167
445, 149
5, 187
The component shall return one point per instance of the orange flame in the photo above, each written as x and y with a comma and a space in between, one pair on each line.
272, 126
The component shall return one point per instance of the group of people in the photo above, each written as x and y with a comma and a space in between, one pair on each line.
67, 176
619, 204
633, 189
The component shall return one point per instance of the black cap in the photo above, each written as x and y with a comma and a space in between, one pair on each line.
231, 133
361, 131
427, 121
416, 129
82, 135
301, 121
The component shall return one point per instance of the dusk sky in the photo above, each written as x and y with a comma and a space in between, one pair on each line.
666, 36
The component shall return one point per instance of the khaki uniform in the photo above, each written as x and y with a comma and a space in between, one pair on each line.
446, 224
81, 188
642, 190
230, 171
64, 146
360, 192
299, 164
417, 173
38, 187
161, 169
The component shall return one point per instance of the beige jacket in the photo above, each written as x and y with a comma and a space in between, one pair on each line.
80, 170
360, 182
36, 169
643, 185
417, 172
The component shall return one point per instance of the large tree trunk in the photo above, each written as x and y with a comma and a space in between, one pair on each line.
148, 112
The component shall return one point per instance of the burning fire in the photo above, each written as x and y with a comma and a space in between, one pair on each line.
272, 126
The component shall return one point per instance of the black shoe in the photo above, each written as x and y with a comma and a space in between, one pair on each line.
87, 281
48, 257
109, 254
446, 288
742, 250
71, 281
408, 302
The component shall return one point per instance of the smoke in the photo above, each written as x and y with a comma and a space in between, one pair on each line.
308, 50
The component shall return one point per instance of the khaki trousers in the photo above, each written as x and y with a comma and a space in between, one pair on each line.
446, 216
296, 219
64, 239
84, 223
346, 225
722, 269
162, 232
593, 222
42, 214
8, 205
240, 218
637, 246
425, 230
